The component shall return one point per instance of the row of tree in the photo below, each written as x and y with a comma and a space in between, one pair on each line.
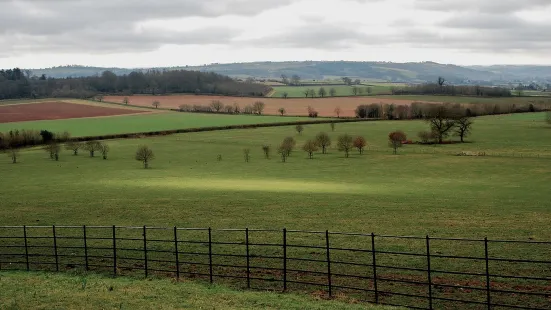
451, 90
322, 92
216, 106
15, 84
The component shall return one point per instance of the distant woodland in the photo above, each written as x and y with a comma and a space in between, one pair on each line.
17, 83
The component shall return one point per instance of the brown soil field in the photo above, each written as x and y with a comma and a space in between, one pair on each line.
57, 110
292, 106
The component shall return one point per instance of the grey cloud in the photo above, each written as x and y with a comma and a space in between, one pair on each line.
488, 6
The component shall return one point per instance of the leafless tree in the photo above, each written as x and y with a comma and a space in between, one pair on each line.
332, 127
104, 149
295, 80
156, 104
282, 111
396, 140
299, 129
125, 100
266, 149
99, 98
338, 111
312, 93
333, 92
322, 92
228, 109
236, 108
289, 143
306, 92
324, 141
284, 152
216, 105
92, 147
53, 149
247, 153
285, 95
74, 146
360, 144
463, 127
310, 147
284, 79
13, 153
355, 90
145, 155
441, 81
441, 120
258, 107
345, 143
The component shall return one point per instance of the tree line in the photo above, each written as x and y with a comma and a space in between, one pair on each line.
16, 84
440, 88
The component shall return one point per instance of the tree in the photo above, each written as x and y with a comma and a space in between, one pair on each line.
333, 92
310, 147
295, 80
228, 109
125, 100
306, 92
324, 141
311, 93
289, 143
217, 105
284, 79
357, 81
441, 81
338, 111
284, 152
92, 147
332, 126
104, 149
99, 98
369, 90
285, 95
360, 144
53, 149
266, 149
347, 80
441, 120
145, 155
247, 153
549, 117
156, 104
345, 143
299, 129
13, 153
463, 127
322, 92
236, 108
312, 112
396, 140
282, 111
258, 107
74, 146
355, 91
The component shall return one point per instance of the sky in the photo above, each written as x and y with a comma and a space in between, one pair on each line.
153, 33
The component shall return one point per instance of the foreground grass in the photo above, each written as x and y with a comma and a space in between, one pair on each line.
143, 123
424, 190
21, 290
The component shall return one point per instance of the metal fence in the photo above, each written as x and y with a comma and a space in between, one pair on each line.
414, 272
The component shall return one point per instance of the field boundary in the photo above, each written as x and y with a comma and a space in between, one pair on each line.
420, 276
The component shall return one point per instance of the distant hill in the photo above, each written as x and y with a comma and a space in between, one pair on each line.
318, 70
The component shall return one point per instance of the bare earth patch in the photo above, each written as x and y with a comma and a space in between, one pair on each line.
57, 110
292, 106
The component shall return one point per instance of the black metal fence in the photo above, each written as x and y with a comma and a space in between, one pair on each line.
415, 272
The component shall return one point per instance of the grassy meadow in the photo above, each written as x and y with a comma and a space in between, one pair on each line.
142, 123
342, 90
23, 290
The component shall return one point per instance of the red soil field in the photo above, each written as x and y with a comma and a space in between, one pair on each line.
56, 110
293, 106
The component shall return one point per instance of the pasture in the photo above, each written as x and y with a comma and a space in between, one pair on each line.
341, 90
293, 106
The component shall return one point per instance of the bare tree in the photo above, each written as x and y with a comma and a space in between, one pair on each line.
347, 80
355, 90
258, 107
104, 149
236, 108
310, 147
285, 95
295, 80
156, 104
216, 105
338, 111
549, 117
266, 149
284, 152
332, 127
74, 146
322, 92
92, 147
312, 112
312, 93
125, 100
228, 109
360, 144
284, 79
369, 90
463, 127
357, 81
299, 129
345, 143
53, 149
289, 143
306, 92
145, 155
13, 153
333, 92
282, 111
324, 141
99, 97
441, 120
247, 153
441, 81
184, 108
396, 140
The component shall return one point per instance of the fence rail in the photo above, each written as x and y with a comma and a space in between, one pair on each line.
415, 272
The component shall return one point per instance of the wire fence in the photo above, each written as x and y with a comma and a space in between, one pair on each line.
414, 272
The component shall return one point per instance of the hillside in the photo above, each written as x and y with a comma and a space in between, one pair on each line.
314, 70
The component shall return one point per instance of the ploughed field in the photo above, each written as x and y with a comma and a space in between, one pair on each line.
57, 110
293, 106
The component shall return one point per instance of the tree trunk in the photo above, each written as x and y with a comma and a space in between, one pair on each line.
75, 153
462, 137
14, 159
145, 164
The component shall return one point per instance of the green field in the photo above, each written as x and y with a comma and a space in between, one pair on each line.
342, 90
143, 123
22, 290
464, 99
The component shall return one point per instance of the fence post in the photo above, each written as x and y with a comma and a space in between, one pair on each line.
114, 252
248, 258
85, 247
374, 268
26, 247
55, 249
210, 255
328, 263
284, 259
145, 250
429, 277
176, 253
488, 297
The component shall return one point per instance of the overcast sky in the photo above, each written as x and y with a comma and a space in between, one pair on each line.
147, 33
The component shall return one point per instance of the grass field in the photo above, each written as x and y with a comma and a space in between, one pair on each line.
22, 290
461, 99
143, 123
342, 90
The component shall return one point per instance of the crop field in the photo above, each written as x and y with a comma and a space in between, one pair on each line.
59, 110
293, 106
341, 90
202, 180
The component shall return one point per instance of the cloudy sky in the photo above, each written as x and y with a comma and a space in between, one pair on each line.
146, 33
